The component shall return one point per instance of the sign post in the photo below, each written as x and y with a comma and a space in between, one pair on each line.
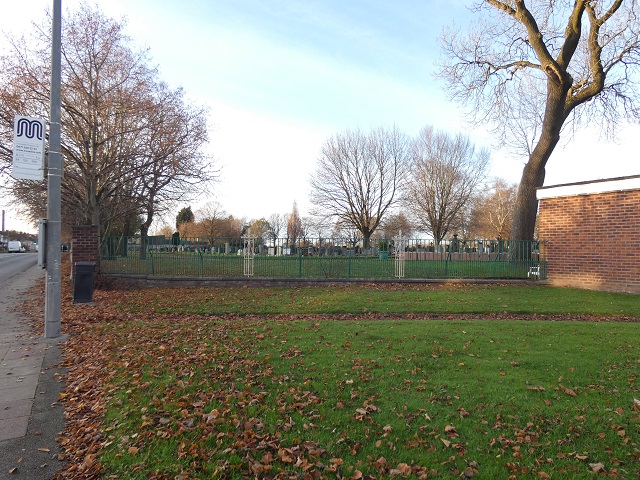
53, 297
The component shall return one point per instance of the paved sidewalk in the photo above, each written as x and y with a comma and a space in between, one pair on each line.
30, 382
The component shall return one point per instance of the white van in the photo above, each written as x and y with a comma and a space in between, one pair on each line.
14, 246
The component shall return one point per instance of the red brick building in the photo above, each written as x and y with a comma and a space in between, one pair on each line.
591, 234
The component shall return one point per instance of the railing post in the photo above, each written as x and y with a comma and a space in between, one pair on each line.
399, 255
248, 253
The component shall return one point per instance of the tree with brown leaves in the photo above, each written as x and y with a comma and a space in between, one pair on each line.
132, 146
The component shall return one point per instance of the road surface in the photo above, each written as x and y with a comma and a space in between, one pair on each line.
13, 264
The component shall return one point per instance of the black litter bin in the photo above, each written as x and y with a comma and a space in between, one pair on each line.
83, 281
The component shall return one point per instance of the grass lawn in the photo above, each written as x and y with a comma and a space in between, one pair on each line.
193, 264
386, 299
188, 391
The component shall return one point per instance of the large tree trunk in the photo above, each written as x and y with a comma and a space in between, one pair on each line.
144, 241
144, 234
526, 204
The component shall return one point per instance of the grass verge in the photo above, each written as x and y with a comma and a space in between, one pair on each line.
181, 395
387, 299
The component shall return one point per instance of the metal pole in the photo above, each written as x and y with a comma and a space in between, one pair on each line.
52, 308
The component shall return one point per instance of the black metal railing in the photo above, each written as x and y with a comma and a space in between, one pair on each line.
322, 258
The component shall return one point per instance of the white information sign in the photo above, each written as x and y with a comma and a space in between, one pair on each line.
28, 148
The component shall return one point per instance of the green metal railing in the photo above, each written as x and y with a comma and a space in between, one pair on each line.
323, 258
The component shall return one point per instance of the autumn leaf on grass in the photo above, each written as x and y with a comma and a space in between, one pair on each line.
597, 467
450, 431
402, 469
463, 413
366, 410
568, 391
537, 388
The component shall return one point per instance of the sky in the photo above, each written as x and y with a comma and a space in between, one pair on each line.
280, 77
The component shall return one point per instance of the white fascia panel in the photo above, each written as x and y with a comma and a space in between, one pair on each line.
589, 188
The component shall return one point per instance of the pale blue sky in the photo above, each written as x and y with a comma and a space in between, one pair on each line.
281, 76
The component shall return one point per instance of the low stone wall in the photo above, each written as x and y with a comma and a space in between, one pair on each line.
144, 281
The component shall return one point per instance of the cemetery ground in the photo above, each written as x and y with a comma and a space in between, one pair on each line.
368, 381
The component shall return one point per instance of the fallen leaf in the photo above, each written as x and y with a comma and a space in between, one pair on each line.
537, 388
597, 467
451, 431
568, 391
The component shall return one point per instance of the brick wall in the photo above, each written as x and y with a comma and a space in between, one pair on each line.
85, 244
592, 234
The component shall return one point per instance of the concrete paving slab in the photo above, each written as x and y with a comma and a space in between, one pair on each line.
19, 393
18, 370
20, 354
15, 408
25, 361
12, 381
13, 427
29, 426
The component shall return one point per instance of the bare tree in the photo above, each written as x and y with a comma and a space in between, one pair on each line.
277, 223
532, 67
171, 166
358, 176
132, 147
395, 223
346, 232
491, 213
308, 227
316, 226
445, 173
